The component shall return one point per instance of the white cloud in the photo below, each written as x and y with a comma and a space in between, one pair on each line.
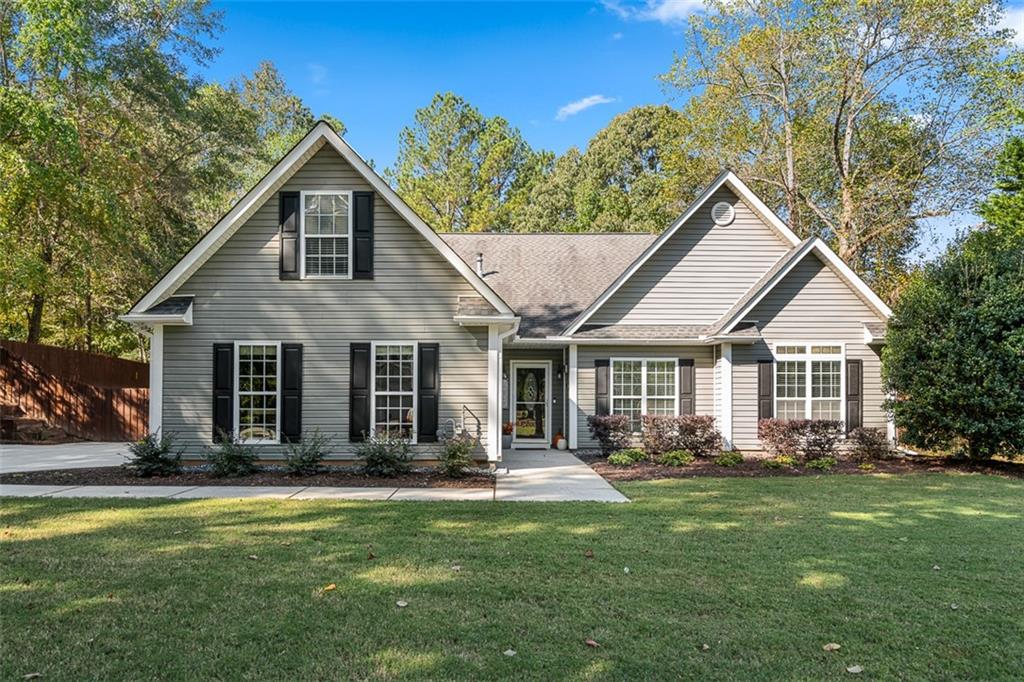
617, 36
1013, 18
662, 11
573, 108
317, 72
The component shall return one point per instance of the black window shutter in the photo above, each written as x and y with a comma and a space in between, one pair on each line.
429, 390
854, 394
223, 390
687, 400
601, 385
362, 234
765, 389
288, 204
359, 392
291, 392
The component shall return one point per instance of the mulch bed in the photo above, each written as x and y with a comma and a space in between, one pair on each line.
339, 477
752, 468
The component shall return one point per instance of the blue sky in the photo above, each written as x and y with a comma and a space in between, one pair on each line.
558, 71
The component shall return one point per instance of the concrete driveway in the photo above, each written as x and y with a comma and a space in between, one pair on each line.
15, 458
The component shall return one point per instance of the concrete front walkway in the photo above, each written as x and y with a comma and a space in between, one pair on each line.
17, 458
552, 476
532, 476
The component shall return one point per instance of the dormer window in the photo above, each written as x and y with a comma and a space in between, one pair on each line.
326, 234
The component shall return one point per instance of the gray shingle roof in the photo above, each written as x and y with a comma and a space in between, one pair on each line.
549, 279
642, 331
175, 305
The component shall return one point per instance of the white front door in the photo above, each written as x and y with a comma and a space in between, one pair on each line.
531, 403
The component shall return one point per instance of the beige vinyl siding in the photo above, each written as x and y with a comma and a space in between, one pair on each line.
558, 386
699, 272
812, 303
587, 397
238, 297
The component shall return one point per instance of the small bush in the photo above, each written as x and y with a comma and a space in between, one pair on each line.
869, 444
659, 434
635, 454
610, 430
779, 462
620, 459
697, 434
781, 436
154, 456
822, 463
866, 466
730, 458
676, 458
820, 438
230, 457
456, 454
306, 457
384, 455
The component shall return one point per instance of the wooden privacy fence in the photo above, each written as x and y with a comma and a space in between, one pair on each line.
87, 395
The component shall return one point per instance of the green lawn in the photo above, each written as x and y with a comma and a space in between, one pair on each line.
764, 571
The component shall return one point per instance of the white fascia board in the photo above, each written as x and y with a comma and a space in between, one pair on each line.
726, 178
226, 226
478, 320
832, 260
563, 340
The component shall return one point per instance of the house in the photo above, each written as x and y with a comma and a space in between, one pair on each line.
321, 300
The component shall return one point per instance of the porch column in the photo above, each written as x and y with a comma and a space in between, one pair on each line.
156, 378
573, 394
493, 394
726, 393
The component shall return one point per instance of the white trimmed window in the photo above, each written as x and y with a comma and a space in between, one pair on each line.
257, 378
809, 381
644, 386
326, 228
394, 389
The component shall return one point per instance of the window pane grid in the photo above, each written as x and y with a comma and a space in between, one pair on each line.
393, 378
807, 387
325, 226
642, 387
257, 392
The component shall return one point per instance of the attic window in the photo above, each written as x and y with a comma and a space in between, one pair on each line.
723, 213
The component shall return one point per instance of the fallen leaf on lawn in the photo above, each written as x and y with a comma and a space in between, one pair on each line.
704, 647
177, 532
286, 544
31, 676
456, 567
370, 556
954, 606
626, 570
329, 588
831, 646
904, 539
401, 604
510, 652
855, 669
592, 644
253, 557
589, 554
935, 567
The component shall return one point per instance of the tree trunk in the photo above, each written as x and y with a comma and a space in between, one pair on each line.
35, 318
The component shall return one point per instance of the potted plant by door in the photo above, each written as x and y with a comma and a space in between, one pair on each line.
506, 435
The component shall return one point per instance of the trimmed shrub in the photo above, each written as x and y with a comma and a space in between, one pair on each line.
697, 434
621, 459
676, 458
231, 457
820, 437
869, 444
866, 466
730, 458
306, 457
610, 430
779, 462
780, 436
154, 456
660, 434
634, 454
384, 455
823, 463
456, 454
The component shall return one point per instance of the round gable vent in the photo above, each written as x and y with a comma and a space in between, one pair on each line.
723, 213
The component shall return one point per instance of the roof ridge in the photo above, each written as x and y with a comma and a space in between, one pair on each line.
547, 234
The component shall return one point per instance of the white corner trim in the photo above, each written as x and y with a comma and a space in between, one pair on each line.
156, 379
226, 226
574, 395
725, 178
726, 396
830, 259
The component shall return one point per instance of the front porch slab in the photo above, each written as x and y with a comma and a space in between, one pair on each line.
552, 476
